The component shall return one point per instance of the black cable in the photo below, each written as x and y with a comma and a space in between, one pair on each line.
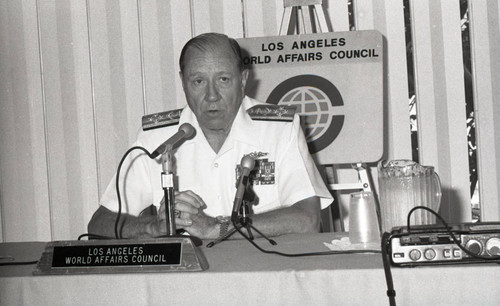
448, 229
391, 293
93, 236
117, 235
304, 254
16, 263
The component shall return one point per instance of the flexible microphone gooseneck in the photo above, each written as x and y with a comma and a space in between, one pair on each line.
185, 131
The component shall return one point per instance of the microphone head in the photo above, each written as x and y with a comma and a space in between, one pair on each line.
247, 162
188, 130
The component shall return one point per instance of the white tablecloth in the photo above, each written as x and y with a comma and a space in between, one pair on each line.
239, 274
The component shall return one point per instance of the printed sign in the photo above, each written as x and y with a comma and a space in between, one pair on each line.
165, 254
335, 81
117, 255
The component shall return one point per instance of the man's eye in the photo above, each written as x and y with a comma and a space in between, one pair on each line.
198, 82
224, 79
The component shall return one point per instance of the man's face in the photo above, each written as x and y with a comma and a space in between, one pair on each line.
214, 87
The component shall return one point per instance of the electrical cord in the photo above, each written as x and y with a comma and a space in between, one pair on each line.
117, 234
93, 236
302, 254
118, 214
12, 261
391, 293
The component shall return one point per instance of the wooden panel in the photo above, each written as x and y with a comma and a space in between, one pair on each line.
164, 35
387, 17
82, 208
261, 17
200, 12
232, 17
337, 14
364, 14
180, 34
24, 194
218, 16
269, 15
134, 96
69, 117
485, 50
440, 98
150, 17
253, 23
108, 77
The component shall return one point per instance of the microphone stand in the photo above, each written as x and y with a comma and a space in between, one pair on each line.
167, 182
239, 222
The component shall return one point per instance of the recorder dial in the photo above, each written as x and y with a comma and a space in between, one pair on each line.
474, 246
493, 246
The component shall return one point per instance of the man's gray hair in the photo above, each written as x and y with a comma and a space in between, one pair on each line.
209, 42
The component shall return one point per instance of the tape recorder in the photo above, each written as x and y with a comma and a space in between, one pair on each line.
434, 244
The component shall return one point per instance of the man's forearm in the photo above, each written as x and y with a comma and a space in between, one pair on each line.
103, 223
302, 217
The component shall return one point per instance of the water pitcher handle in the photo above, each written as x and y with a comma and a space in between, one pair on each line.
436, 191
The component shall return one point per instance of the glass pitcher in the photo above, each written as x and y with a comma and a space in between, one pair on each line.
404, 184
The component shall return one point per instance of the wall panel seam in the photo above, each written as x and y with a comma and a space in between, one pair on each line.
44, 116
92, 88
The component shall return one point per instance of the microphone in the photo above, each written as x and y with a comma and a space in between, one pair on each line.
247, 164
185, 131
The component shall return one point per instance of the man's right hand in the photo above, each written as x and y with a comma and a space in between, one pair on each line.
187, 204
103, 221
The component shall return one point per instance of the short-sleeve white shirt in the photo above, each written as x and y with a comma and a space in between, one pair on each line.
212, 175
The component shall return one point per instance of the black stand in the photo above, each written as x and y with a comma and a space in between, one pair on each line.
167, 181
243, 221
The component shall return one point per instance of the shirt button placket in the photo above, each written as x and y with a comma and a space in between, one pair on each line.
216, 179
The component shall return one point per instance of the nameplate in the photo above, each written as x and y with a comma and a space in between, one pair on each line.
121, 255
117, 255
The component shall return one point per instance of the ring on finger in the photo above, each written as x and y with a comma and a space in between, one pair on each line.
177, 213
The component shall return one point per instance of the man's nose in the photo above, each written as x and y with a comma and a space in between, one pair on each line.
212, 93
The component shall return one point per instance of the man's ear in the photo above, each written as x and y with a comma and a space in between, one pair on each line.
182, 78
244, 78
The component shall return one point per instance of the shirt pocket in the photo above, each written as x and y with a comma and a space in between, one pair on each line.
266, 198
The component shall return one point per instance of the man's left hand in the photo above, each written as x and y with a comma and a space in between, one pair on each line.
203, 226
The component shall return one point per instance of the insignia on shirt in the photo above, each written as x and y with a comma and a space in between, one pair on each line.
272, 112
256, 154
263, 172
153, 121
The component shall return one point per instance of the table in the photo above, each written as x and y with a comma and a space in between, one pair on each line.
240, 274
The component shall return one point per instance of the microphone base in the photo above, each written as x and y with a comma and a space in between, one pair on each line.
243, 222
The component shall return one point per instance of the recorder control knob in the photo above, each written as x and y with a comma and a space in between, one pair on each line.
493, 246
415, 255
474, 246
429, 254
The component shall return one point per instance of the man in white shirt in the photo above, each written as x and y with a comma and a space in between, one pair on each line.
289, 191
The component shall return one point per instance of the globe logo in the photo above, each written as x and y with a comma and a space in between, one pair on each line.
314, 108
315, 99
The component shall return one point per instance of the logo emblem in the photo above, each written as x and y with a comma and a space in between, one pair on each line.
317, 102
263, 172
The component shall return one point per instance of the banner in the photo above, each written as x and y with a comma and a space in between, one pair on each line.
335, 81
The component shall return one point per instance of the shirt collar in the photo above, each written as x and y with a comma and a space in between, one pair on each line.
242, 129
